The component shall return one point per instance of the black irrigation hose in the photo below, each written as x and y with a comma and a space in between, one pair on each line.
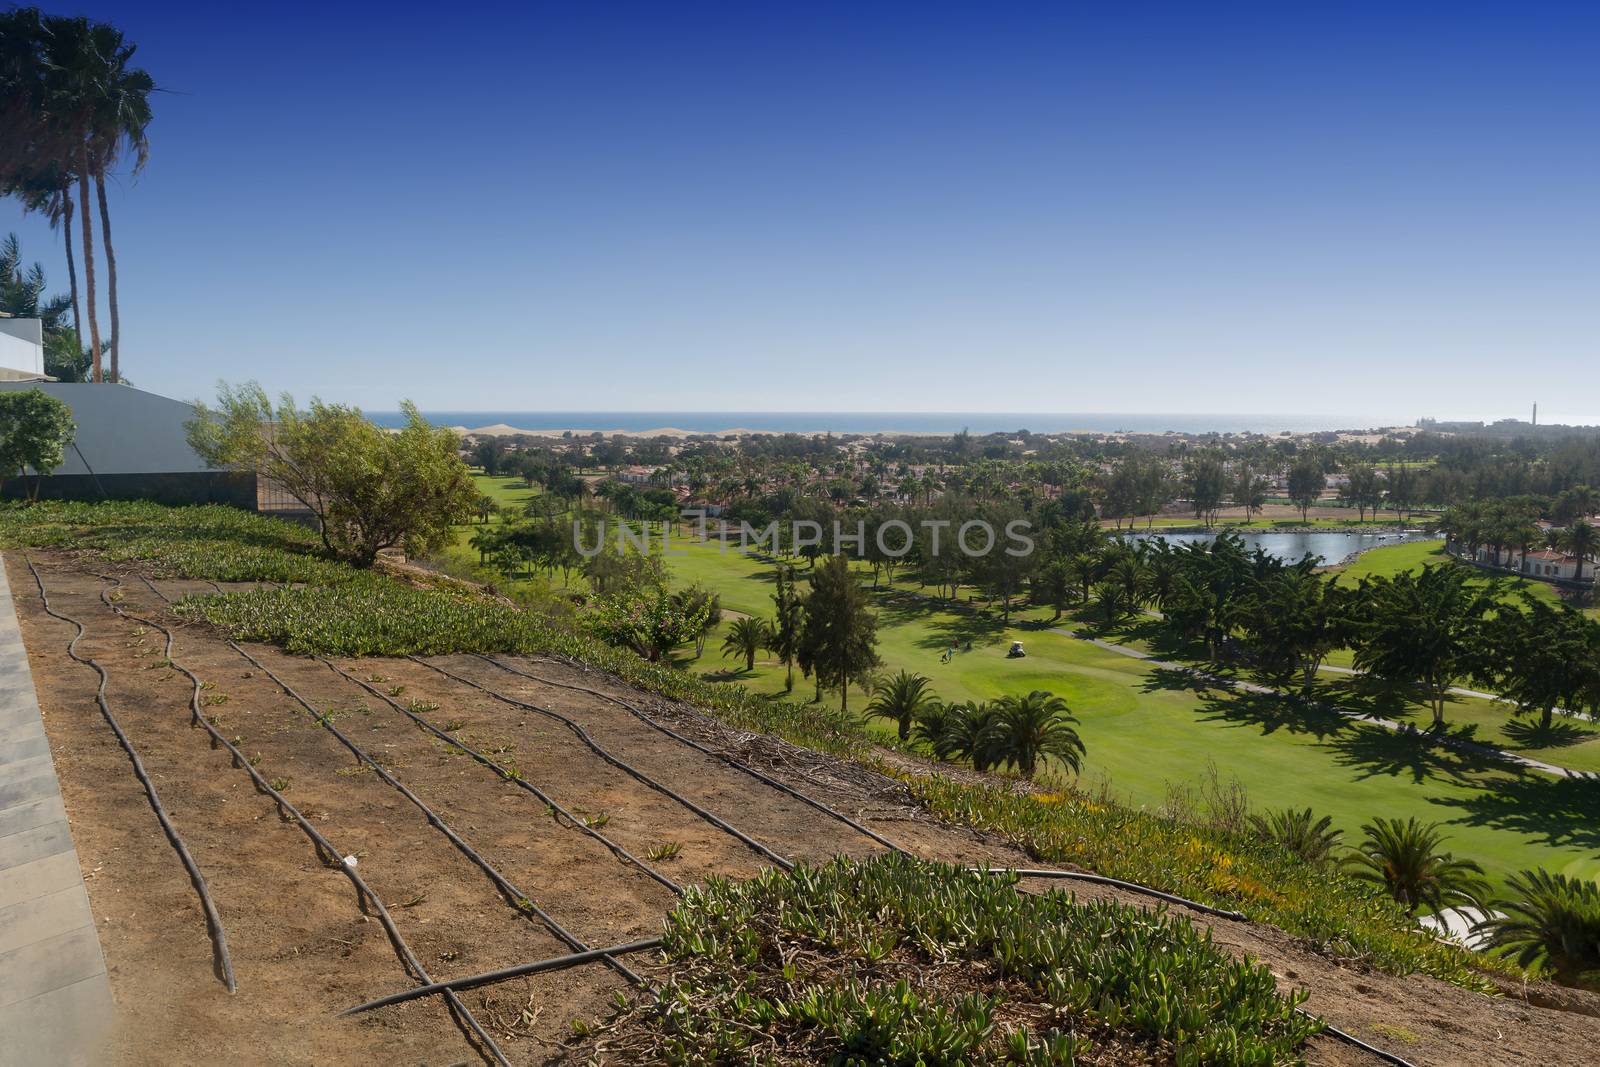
222, 962
519, 900
617, 762
515, 779
596, 955
331, 856
1351, 1039
576, 823
759, 776
1100, 879
556, 963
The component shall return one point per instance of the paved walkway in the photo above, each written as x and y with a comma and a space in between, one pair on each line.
55, 1000
1473, 747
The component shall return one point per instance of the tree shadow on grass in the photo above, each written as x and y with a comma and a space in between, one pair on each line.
1562, 812
1526, 734
1375, 752
1177, 679
974, 628
1271, 713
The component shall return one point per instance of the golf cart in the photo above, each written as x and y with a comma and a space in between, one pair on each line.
1016, 651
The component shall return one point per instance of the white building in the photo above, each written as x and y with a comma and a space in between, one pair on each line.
21, 348
1543, 563
130, 444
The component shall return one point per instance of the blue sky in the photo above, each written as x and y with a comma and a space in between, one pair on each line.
1385, 209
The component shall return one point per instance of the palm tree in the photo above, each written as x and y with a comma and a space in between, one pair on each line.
903, 698
1405, 858
935, 727
970, 732
95, 106
1030, 727
1299, 832
1551, 920
746, 637
121, 120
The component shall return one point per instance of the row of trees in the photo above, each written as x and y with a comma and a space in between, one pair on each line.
1426, 630
72, 107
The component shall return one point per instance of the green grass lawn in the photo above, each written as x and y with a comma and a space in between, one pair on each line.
1146, 728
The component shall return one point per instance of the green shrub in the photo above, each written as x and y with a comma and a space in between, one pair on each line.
900, 961
1338, 915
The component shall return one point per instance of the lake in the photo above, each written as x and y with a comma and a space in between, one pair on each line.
1330, 546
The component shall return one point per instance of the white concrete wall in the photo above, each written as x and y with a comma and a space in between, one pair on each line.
17, 353
122, 430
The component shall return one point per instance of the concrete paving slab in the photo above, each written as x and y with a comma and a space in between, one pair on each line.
14, 820
55, 998
63, 1027
35, 844
38, 878
50, 963
44, 917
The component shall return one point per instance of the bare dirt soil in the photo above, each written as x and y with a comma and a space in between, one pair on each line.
302, 948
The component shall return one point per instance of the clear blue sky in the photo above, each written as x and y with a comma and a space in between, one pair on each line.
1379, 208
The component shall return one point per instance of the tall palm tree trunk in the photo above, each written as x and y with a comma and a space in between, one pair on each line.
72, 262
88, 263
111, 275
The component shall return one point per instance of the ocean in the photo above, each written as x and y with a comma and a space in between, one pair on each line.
976, 422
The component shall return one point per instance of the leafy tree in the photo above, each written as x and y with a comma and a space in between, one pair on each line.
1363, 488
1250, 490
612, 569
1550, 920
693, 600
839, 635
905, 698
1419, 628
1300, 832
367, 488
650, 621
1306, 482
35, 430
1293, 620
783, 636
1541, 658
746, 637
1206, 480
1029, 728
1406, 859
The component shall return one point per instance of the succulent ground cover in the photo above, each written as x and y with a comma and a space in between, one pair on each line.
898, 961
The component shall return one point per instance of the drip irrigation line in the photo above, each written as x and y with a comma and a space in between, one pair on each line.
329, 855
555, 963
617, 762
1351, 1039
448, 989
222, 961
518, 899
759, 776
515, 779
1100, 879
572, 820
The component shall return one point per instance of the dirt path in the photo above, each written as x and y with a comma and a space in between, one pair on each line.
302, 948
